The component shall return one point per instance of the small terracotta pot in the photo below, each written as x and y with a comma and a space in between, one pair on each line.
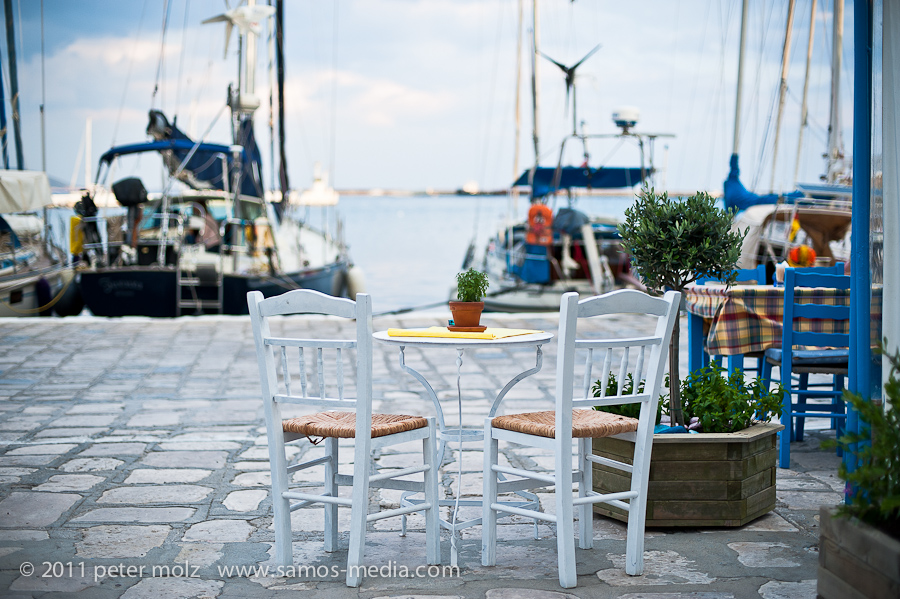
466, 314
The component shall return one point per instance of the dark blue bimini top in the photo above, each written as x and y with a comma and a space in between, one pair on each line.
611, 177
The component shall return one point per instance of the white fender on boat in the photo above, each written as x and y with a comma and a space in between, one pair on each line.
356, 282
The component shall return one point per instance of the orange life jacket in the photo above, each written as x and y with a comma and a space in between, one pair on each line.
540, 225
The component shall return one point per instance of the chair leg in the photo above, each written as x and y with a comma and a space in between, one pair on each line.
637, 511
784, 436
432, 514
358, 512
800, 421
284, 555
489, 496
838, 423
586, 510
565, 517
331, 509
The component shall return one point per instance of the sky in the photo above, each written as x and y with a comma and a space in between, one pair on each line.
420, 94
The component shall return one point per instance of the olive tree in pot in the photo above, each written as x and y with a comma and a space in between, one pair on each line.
673, 242
471, 286
859, 542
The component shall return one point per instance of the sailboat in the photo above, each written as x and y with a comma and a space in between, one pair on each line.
530, 264
211, 235
35, 277
815, 215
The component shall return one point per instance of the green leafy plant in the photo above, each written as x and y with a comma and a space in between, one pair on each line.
721, 404
673, 242
726, 404
632, 410
874, 485
471, 285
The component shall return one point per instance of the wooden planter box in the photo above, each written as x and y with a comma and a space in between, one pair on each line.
708, 479
856, 561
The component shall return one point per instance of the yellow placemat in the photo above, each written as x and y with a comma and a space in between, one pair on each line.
489, 333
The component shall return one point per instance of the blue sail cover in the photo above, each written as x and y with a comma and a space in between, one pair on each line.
204, 169
582, 177
736, 196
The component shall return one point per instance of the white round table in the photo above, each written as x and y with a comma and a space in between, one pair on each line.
460, 434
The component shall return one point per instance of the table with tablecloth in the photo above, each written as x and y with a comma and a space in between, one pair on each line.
743, 319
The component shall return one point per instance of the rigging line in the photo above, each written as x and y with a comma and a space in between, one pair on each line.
128, 75
759, 66
696, 84
492, 93
334, 73
187, 5
162, 48
717, 92
43, 96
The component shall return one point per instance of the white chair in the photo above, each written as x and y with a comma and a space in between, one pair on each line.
350, 418
644, 358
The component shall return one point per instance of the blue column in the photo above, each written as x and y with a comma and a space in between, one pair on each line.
861, 285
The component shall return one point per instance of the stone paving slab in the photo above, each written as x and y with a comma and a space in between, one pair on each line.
133, 464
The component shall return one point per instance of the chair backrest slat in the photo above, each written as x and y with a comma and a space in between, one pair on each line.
320, 372
623, 370
302, 362
821, 311
588, 368
816, 339
604, 374
340, 374
285, 370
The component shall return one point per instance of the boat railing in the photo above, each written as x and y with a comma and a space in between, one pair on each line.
100, 248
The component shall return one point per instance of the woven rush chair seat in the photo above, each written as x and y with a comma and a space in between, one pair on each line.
586, 424
342, 425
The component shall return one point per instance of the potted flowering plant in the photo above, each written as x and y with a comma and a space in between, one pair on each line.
471, 286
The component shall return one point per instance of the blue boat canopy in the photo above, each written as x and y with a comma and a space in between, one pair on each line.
583, 177
735, 195
204, 169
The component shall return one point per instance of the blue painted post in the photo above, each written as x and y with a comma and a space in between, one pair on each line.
861, 285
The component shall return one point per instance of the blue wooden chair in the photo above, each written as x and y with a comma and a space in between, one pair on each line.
831, 359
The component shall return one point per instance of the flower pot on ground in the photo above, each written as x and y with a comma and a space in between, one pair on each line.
856, 561
722, 477
859, 542
471, 286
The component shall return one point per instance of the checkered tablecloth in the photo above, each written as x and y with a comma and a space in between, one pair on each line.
747, 318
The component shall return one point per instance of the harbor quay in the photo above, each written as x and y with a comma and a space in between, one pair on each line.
134, 464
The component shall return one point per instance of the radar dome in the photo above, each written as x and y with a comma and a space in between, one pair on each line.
626, 117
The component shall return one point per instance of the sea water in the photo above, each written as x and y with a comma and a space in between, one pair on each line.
411, 248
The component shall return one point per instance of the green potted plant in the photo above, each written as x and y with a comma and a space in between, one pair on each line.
471, 286
722, 476
673, 242
859, 542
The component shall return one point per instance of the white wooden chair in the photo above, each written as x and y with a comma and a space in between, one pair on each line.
346, 418
644, 358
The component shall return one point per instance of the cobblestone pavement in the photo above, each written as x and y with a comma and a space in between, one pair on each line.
133, 463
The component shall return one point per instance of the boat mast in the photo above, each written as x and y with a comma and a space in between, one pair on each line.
740, 81
834, 129
535, 90
279, 60
803, 105
13, 82
782, 89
